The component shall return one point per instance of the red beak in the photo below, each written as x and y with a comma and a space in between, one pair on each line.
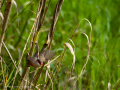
41, 64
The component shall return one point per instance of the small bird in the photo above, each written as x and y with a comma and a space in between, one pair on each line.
38, 59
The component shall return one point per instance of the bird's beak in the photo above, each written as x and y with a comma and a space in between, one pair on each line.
41, 64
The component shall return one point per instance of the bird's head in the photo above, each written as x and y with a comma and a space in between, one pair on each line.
38, 60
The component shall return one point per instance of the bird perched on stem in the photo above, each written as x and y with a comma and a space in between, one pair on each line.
39, 58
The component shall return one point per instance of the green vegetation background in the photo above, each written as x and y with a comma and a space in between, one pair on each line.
104, 16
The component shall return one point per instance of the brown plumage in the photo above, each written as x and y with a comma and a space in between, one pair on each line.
37, 61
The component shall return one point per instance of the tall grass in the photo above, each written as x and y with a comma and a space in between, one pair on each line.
83, 60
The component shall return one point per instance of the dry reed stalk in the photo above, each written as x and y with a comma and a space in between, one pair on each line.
4, 25
40, 24
5, 21
0, 5
58, 66
11, 59
4, 83
41, 8
36, 27
89, 41
50, 34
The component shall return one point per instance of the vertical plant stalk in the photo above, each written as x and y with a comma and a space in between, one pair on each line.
50, 35
1, 16
46, 42
55, 17
43, 13
4, 83
11, 59
5, 21
23, 54
36, 28
0, 5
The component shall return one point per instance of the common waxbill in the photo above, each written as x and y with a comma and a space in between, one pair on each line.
37, 61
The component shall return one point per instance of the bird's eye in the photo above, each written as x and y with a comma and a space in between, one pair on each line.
39, 62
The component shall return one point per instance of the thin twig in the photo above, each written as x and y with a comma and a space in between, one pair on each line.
60, 64
24, 49
11, 59
5, 21
2, 71
89, 41
112, 76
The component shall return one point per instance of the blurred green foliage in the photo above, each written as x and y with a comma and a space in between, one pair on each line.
104, 48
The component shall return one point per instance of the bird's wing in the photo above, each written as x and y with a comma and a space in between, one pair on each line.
48, 54
42, 58
45, 55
